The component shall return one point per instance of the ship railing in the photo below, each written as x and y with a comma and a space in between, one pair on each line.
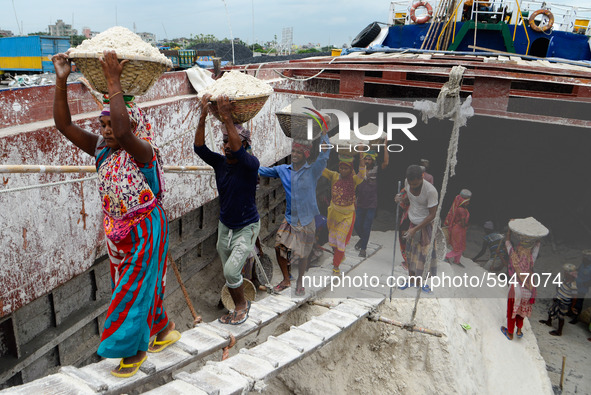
453, 17
487, 11
566, 18
522, 22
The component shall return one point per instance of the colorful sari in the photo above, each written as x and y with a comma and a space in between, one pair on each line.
341, 212
521, 296
455, 220
126, 196
137, 245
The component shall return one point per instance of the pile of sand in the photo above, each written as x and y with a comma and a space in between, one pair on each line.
236, 84
379, 358
298, 106
371, 129
126, 43
342, 143
528, 227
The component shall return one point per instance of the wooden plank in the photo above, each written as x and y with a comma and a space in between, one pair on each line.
50, 338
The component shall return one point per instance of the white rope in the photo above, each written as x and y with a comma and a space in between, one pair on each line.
50, 184
303, 79
448, 105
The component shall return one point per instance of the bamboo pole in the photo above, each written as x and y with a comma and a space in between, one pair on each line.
83, 169
440, 13
562, 372
197, 318
410, 328
529, 57
322, 304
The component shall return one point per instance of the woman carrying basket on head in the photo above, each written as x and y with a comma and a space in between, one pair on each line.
130, 186
341, 212
522, 293
457, 225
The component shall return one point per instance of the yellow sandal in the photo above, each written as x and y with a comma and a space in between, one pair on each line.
157, 346
135, 366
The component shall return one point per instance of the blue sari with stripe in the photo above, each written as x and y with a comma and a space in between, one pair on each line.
138, 278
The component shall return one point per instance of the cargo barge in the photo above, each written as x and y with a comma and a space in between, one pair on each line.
530, 135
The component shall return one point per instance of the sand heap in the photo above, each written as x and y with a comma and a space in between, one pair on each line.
298, 105
528, 227
376, 358
346, 144
126, 43
237, 85
371, 129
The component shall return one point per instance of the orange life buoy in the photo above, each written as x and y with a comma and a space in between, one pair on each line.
425, 17
537, 28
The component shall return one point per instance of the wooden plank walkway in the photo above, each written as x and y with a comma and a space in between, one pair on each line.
207, 338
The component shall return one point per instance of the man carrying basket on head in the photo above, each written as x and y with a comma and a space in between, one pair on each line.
236, 175
297, 232
130, 183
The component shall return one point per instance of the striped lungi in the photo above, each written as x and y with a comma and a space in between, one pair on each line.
298, 239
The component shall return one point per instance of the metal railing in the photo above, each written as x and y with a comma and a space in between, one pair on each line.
566, 18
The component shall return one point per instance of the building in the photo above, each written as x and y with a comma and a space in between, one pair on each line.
6, 33
86, 32
182, 41
61, 29
150, 38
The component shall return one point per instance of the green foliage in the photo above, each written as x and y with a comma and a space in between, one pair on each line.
38, 34
77, 40
210, 38
308, 50
204, 39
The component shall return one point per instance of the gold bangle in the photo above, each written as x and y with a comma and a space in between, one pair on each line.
59, 87
114, 94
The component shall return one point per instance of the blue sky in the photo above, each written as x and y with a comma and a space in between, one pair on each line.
324, 22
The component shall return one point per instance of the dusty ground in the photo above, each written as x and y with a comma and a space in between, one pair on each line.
573, 343
379, 358
394, 361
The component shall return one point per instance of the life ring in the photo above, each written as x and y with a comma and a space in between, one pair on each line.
532, 22
425, 17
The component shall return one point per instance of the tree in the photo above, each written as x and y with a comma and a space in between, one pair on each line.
77, 40
38, 34
171, 44
308, 50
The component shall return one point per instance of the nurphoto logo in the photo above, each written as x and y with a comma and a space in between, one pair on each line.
388, 122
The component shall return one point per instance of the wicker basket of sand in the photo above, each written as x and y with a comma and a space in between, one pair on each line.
144, 67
